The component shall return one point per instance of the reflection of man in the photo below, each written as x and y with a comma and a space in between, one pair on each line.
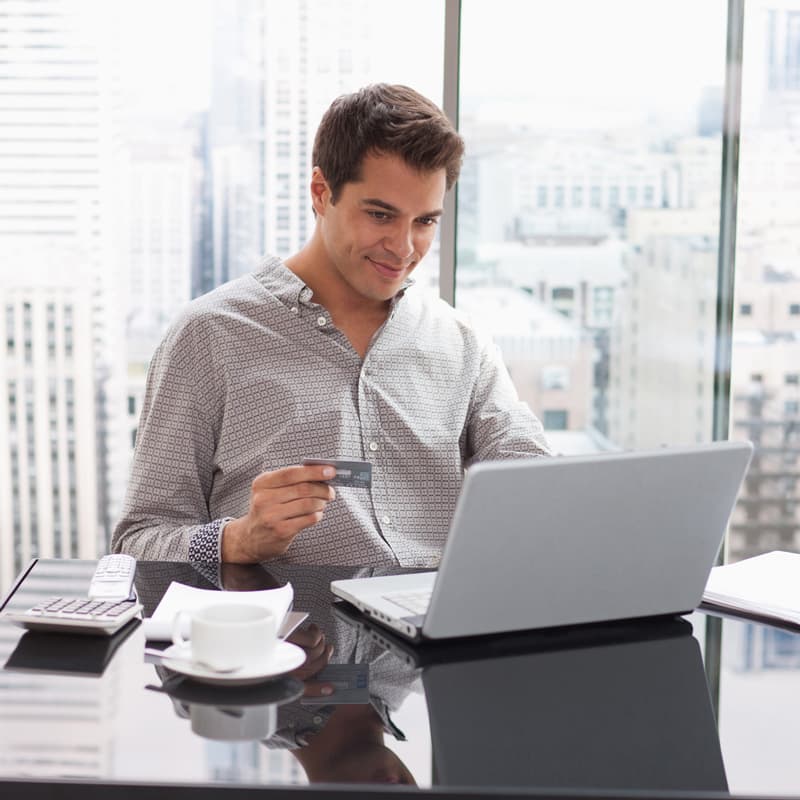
341, 743
350, 749
328, 354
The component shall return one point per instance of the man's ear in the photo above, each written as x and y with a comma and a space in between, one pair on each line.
320, 192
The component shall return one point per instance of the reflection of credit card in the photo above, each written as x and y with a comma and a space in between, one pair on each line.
348, 473
350, 685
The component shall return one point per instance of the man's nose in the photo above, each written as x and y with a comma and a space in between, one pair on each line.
401, 243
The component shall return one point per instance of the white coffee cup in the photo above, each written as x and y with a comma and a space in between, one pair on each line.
228, 636
232, 724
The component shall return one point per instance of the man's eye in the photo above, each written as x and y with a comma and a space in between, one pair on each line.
427, 221
380, 216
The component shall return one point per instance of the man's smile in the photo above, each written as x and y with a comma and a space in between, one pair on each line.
386, 270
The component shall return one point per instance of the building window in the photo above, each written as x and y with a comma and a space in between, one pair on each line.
791, 408
746, 309
558, 197
794, 309
10, 329
27, 330
603, 304
577, 196
541, 197
131, 405
792, 378
555, 419
555, 377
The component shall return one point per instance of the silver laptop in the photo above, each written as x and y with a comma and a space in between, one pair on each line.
544, 542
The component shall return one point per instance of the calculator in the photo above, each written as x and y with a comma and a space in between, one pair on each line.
110, 603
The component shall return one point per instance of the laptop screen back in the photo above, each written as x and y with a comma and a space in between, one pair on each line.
543, 542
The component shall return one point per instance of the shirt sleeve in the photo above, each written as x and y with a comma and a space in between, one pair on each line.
499, 424
165, 515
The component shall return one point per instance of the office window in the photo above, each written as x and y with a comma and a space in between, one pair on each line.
766, 350
614, 293
176, 160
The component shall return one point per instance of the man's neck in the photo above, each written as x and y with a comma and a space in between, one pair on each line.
356, 317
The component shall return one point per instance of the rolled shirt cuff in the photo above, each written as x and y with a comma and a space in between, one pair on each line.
205, 546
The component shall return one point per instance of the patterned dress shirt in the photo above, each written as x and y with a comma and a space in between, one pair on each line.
254, 376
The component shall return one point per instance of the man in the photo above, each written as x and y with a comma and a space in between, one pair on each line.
331, 354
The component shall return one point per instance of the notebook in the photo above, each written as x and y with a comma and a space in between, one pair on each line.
545, 542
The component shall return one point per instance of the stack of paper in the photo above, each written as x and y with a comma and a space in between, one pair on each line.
179, 597
764, 586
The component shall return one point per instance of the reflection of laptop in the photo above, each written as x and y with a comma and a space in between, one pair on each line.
537, 543
626, 715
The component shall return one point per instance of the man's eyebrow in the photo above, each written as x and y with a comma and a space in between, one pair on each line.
374, 201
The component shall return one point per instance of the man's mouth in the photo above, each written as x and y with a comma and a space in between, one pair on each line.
386, 270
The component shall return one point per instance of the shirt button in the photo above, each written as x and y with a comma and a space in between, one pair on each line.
318, 720
385, 520
321, 321
294, 309
373, 446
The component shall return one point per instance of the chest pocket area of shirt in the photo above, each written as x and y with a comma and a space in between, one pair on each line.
418, 419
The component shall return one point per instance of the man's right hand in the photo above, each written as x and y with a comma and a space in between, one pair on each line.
283, 502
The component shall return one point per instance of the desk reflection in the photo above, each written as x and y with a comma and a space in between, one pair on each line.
624, 715
335, 738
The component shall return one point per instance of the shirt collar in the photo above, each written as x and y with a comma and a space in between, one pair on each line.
275, 276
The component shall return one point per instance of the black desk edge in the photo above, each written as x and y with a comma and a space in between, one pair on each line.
76, 790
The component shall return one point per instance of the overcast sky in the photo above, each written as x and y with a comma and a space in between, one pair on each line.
582, 53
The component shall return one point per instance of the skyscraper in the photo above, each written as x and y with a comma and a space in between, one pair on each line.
56, 202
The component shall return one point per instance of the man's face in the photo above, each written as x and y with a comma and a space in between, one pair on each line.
380, 227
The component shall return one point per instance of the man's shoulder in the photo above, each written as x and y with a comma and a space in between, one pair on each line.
440, 317
237, 298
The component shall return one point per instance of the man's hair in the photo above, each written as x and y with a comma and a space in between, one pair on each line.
390, 120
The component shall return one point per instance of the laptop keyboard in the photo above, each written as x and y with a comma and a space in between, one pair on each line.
415, 602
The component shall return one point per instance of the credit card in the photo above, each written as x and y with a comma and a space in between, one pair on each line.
348, 473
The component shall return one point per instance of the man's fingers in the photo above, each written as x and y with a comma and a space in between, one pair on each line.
288, 476
318, 689
307, 637
301, 508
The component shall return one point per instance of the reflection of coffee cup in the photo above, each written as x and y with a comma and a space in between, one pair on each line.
228, 636
234, 723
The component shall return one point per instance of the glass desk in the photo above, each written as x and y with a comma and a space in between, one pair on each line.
607, 710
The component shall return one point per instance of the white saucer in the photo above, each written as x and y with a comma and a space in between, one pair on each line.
285, 658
